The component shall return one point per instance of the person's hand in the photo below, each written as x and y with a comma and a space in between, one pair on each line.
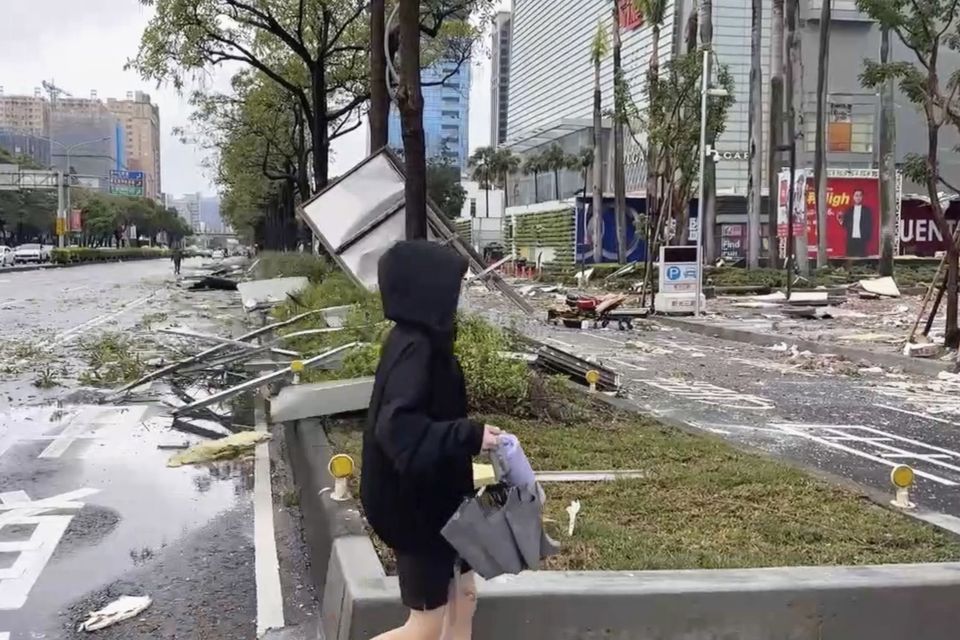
491, 437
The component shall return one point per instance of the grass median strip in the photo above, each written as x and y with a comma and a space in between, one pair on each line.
704, 505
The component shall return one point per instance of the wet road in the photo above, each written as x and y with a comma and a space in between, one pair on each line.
89, 511
857, 427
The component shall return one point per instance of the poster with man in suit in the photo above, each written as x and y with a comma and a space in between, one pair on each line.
858, 223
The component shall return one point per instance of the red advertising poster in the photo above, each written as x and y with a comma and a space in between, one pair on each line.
630, 18
919, 233
76, 221
853, 217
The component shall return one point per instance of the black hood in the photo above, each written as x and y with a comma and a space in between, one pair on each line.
420, 284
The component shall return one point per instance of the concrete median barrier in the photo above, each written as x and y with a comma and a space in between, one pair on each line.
359, 600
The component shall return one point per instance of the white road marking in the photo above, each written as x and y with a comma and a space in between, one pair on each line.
918, 414
35, 552
68, 335
266, 564
627, 364
711, 394
805, 431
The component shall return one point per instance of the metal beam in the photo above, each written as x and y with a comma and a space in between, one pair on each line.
176, 366
256, 383
185, 333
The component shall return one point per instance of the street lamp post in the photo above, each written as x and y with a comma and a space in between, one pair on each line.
705, 92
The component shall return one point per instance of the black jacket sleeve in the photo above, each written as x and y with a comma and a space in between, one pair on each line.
409, 437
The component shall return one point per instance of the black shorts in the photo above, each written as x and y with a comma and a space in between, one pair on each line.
425, 578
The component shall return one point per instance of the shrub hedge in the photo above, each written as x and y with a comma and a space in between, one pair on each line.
78, 255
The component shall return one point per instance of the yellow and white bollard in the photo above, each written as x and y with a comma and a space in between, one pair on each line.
341, 468
902, 478
297, 367
593, 377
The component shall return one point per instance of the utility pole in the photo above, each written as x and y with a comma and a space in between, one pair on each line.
820, 161
888, 171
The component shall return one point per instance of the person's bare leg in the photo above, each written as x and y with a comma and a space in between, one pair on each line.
458, 622
421, 625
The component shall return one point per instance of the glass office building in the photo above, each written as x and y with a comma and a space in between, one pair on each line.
446, 113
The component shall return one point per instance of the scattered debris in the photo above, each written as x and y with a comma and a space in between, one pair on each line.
226, 448
808, 298
886, 287
214, 283
925, 350
646, 347
572, 512
590, 476
872, 371
583, 277
871, 337
122, 608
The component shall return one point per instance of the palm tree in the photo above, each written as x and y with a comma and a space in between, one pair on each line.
554, 159
775, 126
483, 171
654, 11
582, 163
754, 124
598, 49
506, 163
533, 165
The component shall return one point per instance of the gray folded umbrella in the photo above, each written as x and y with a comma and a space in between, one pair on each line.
500, 536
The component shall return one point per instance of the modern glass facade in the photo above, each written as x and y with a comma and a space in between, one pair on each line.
446, 113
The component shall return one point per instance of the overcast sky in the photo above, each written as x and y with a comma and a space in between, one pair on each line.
82, 45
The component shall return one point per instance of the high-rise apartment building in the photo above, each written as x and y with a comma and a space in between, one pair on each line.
446, 113
25, 127
188, 206
25, 114
141, 124
87, 137
500, 77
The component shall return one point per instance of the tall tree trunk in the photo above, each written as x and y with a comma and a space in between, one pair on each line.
556, 184
410, 105
709, 176
888, 172
619, 179
754, 124
795, 103
536, 187
379, 98
653, 172
487, 203
506, 200
319, 135
775, 130
820, 160
597, 239
951, 332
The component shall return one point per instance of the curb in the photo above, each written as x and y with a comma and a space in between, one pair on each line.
912, 365
885, 602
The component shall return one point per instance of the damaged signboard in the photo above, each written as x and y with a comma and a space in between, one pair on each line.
258, 294
362, 214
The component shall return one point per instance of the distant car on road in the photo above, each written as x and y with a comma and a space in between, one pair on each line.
28, 253
6, 256
219, 254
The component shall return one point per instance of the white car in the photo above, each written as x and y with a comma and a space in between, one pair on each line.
28, 253
6, 256
219, 254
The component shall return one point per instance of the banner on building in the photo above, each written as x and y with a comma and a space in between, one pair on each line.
919, 233
853, 211
127, 183
76, 221
636, 248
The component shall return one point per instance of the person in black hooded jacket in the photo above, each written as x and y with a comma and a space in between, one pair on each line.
418, 445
